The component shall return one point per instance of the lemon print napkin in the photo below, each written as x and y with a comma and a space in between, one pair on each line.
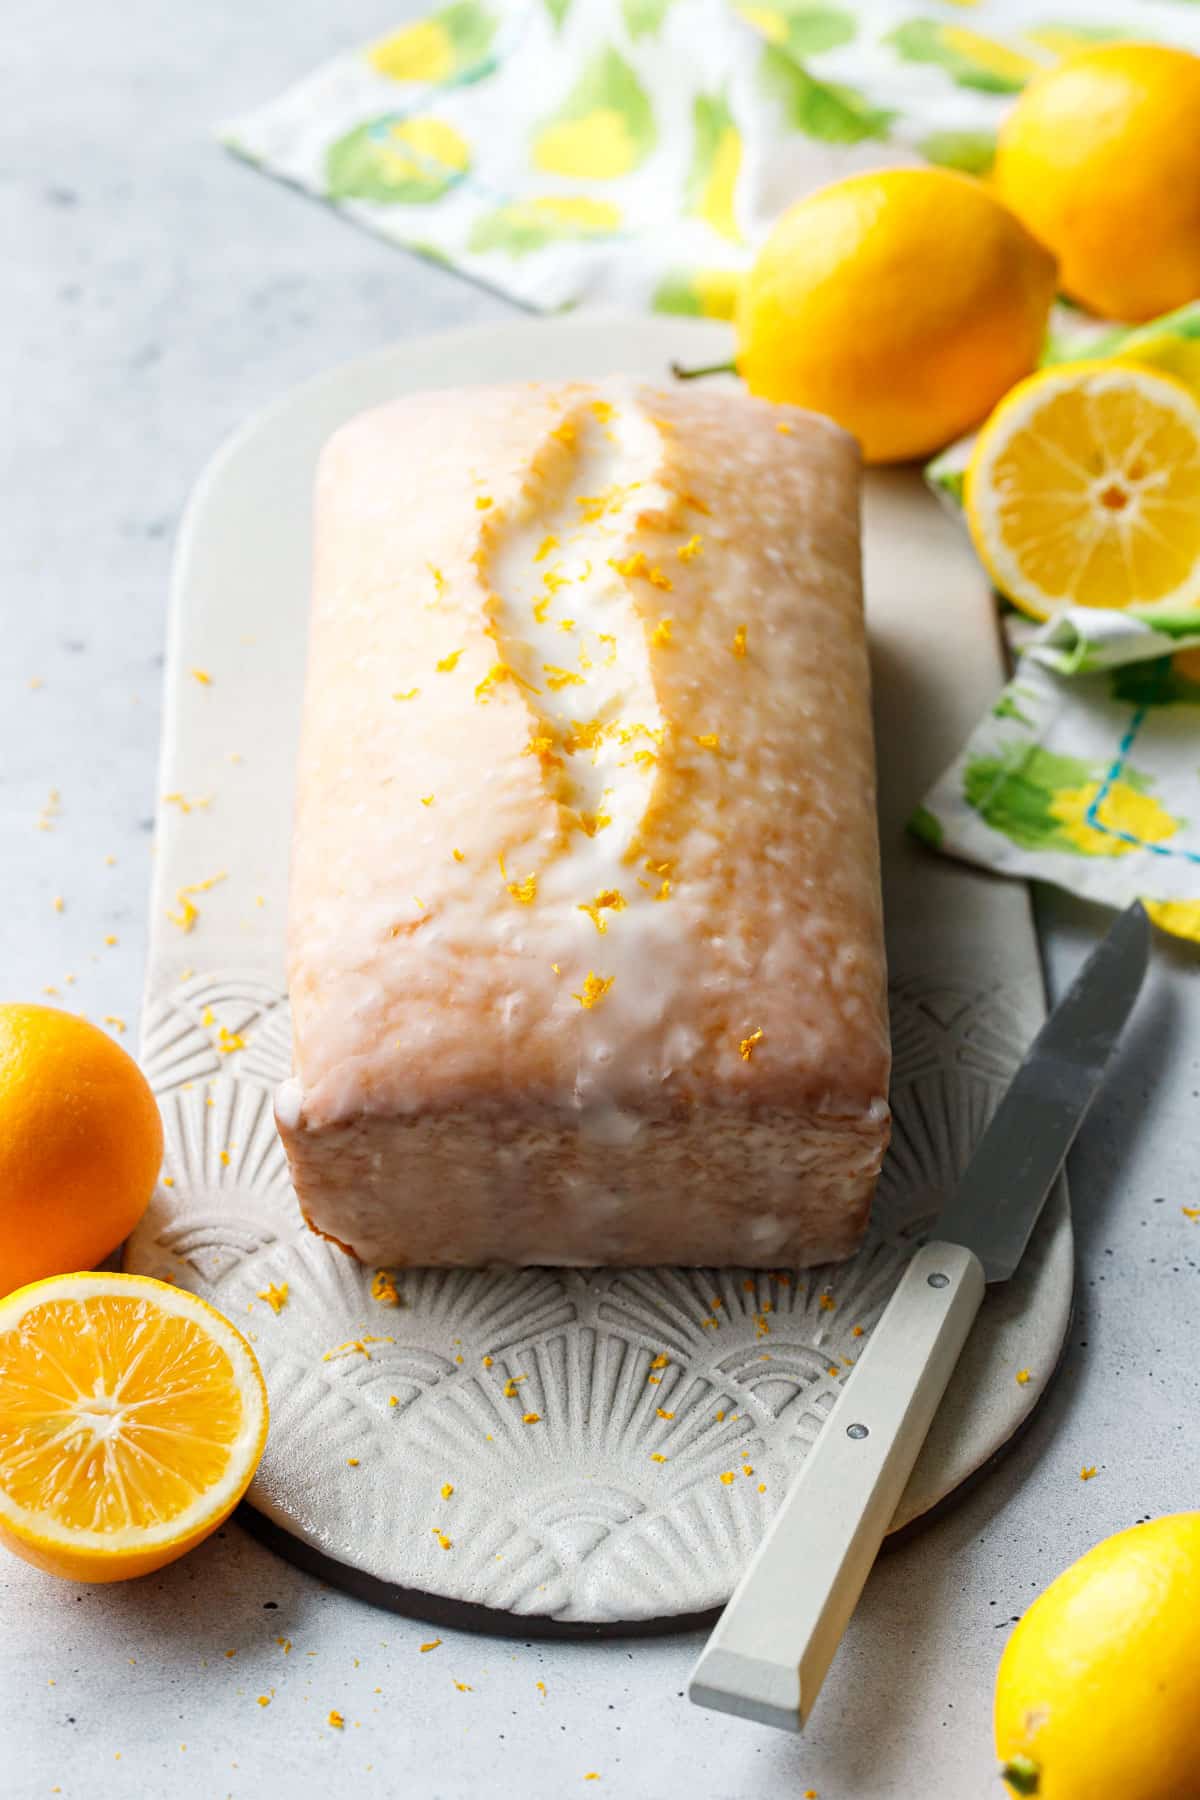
1086, 771
633, 152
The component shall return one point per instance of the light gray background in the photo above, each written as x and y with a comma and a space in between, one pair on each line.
154, 293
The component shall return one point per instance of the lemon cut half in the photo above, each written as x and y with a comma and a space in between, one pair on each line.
132, 1418
1084, 490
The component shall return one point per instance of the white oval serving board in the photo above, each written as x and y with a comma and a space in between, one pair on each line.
377, 1408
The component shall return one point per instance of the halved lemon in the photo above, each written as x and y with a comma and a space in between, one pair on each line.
1084, 490
132, 1417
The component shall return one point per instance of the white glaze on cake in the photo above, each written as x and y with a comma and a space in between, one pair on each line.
585, 906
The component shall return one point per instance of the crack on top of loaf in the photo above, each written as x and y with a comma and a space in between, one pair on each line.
560, 566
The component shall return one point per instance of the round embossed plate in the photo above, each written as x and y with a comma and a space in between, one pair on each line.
672, 1405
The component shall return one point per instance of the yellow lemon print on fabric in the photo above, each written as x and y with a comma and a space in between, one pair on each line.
408, 162
438, 48
529, 225
603, 129
970, 59
1180, 917
597, 148
716, 165
1123, 809
699, 293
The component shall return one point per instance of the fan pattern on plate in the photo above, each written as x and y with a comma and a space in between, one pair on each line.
616, 1440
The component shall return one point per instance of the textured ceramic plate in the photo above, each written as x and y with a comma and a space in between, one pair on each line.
672, 1406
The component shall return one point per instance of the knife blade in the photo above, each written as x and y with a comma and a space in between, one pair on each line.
772, 1646
1002, 1191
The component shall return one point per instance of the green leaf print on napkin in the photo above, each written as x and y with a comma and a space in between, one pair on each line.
397, 161
1158, 683
643, 18
833, 112
529, 225
799, 28
970, 59
716, 165
558, 10
603, 129
1042, 801
450, 45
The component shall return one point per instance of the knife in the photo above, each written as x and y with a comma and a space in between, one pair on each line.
773, 1644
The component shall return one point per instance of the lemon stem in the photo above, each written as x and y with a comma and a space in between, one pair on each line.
681, 374
1022, 1775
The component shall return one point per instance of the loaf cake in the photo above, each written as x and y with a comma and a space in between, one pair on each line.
585, 950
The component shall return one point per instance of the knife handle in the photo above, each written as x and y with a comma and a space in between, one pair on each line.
773, 1644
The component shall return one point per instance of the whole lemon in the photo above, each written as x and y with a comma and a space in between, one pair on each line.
902, 302
1101, 159
80, 1144
1098, 1691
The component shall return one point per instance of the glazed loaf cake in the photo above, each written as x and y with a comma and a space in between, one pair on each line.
585, 949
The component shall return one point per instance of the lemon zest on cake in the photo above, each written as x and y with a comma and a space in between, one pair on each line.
746, 1046
611, 900
410, 695
592, 822
738, 646
595, 988
557, 678
500, 672
531, 1418
548, 543
439, 581
482, 502
585, 734
639, 565
229, 1041
444, 664
660, 637
692, 548
458, 855
603, 410
524, 892
708, 740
